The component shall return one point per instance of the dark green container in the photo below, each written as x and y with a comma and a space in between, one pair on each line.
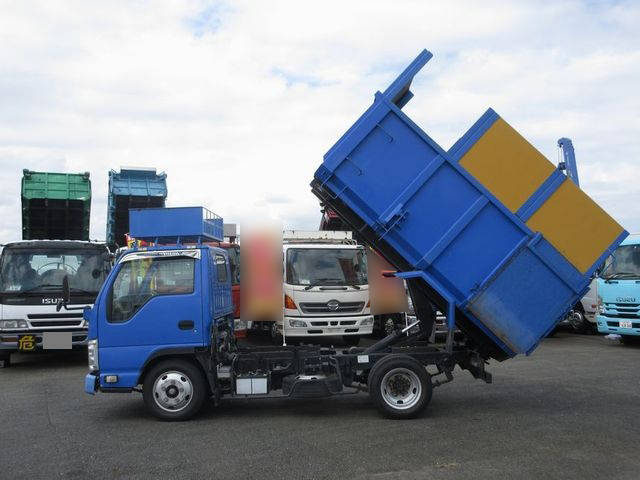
55, 206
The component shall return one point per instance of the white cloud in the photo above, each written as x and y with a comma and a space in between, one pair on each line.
238, 101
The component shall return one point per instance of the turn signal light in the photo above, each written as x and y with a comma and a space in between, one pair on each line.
289, 303
368, 304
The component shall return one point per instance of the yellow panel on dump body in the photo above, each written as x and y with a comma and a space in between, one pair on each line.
507, 165
575, 225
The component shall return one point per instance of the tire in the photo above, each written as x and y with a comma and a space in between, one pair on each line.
5, 361
351, 340
579, 323
630, 339
174, 377
409, 379
276, 336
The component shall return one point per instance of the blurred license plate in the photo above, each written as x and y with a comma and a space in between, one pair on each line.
56, 340
625, 324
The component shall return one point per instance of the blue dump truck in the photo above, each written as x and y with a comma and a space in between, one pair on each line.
474, 231
619, 292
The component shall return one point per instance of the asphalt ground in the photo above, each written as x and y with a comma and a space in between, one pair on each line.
570, 410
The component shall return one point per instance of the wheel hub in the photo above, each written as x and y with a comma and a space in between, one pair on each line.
401, 388
172, 391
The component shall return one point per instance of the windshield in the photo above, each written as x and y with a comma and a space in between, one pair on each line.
624, 263
141, 279
326, 266
38, 270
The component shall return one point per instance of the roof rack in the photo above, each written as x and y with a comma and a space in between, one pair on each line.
175, 225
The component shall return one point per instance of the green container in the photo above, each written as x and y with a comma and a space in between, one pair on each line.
55, 206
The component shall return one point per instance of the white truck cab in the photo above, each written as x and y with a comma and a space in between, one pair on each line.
31, 278
326, 291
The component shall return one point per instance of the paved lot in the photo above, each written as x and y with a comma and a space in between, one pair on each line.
572, 410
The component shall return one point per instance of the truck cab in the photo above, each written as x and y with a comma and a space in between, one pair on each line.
157, 302
326, 291
618, 292
31, 278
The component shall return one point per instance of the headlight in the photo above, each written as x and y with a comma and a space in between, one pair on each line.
600, 305
92, 355
12, 324
367, 321
297, 323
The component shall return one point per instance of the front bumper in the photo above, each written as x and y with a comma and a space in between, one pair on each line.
9, 338
612, 325
329, 326
91, 383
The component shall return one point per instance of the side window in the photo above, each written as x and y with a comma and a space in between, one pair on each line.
221, 268
142, 279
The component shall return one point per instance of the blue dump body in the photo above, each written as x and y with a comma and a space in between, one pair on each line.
487, 229
132, 188
159, 225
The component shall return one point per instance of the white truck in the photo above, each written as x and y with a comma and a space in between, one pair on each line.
31, 275
326, 292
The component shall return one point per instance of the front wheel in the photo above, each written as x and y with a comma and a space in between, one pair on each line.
5, 360
400, 386
174, 390
579, 322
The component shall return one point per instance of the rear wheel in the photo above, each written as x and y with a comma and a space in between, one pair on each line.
174, 390
400, 386
351, 340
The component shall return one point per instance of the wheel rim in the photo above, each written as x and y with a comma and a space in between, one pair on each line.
577, 320
389, 326
401, 388
173, 391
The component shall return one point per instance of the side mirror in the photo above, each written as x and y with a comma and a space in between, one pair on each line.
66, 294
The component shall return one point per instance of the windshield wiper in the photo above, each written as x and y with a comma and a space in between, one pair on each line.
322, 282
80, 290
621, 274
33, 289
357, 287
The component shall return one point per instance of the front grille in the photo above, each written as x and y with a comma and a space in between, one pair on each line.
59, 323
322, 307
622, 310
47, 316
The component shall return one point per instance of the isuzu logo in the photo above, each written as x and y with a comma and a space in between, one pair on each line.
625, 299
333, 305
51, 301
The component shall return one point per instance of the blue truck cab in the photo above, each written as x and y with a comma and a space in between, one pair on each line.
158, 303
619, 292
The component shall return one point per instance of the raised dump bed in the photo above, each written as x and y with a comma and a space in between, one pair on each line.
55, 206
490, 231
132, 188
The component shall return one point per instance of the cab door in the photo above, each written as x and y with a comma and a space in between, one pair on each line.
153, 304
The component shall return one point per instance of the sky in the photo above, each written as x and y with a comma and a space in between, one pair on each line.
238, 101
